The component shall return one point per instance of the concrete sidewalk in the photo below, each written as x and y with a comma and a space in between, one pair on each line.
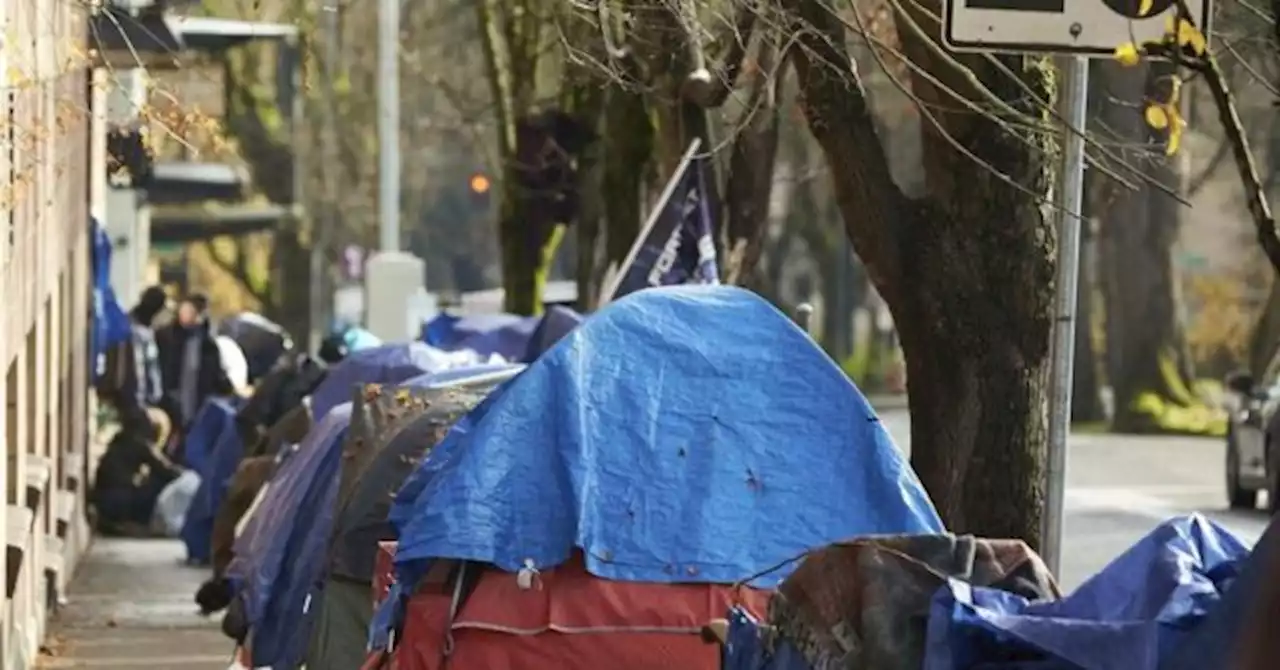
131, 606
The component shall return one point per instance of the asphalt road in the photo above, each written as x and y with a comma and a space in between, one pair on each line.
1119, 487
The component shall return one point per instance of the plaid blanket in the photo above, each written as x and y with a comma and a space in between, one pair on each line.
865, 603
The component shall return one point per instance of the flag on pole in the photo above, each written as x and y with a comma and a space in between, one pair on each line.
676, 245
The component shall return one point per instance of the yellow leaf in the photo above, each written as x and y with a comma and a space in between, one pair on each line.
1175, 139
1176, 125
1145, 7
1127, 54
1190, 37
1156, 117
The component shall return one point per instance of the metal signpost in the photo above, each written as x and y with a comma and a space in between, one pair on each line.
1075, 29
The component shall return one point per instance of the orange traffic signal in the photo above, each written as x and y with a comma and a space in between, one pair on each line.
479, 184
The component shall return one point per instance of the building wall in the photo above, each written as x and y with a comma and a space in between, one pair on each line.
48, 137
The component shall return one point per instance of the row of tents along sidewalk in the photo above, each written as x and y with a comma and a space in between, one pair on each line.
233, 445
645, 486
236, 448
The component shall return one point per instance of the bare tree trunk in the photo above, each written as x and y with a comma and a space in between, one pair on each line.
1145, 344
968, 272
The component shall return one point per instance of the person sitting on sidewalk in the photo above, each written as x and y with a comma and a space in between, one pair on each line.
131, 474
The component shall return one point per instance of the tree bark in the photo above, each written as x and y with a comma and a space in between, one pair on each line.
968, 272
749, 183
1138, 229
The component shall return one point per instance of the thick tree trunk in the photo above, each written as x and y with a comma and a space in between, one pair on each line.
1138, 229
527, 251
968, 272
1265, 339
628, 145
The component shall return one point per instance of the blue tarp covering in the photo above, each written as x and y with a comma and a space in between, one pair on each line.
1218, 636
506, 335
744, 649
282, 548
203, 432
1129, 616
215, 477
110, 322
553, 326
385, 364
681, 434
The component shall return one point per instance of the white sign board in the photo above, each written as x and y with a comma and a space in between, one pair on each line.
1059, 26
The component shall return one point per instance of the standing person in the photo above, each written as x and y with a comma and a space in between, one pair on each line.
190, 361
132, 382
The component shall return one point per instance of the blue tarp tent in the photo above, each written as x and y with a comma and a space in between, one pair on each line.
385, 364
553, 326
681, 434
221, 457
110, 322
202, 434
1130, 616
286, 546
282, 547
506, 335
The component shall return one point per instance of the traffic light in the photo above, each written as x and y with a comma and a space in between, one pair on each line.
479, 184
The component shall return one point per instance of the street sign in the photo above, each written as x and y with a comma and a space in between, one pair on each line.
1083, 27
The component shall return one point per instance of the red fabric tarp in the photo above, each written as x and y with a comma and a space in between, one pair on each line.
569, 620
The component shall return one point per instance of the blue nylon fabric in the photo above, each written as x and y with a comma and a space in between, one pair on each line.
278, 529
215, 477
384, 364
505, 335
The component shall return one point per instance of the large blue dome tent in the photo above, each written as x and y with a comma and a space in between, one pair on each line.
682, 434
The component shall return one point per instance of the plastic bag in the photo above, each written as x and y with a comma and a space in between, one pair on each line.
172, 504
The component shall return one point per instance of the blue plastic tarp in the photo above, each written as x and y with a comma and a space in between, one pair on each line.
1218, 636
505, 335
553, 326
684, 434
215, 478
1129, 616
110, 322
385, 364
203, 432
279, 554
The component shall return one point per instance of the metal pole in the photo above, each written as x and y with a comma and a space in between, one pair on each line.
1074, 100
389, 125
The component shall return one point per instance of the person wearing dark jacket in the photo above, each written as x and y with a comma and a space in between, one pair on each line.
190, 362
131, 474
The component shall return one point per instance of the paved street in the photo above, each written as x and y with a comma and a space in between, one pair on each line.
1119, 487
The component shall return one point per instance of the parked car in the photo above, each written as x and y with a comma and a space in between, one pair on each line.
1253, 438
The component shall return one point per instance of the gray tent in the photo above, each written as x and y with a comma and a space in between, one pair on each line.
390, 433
